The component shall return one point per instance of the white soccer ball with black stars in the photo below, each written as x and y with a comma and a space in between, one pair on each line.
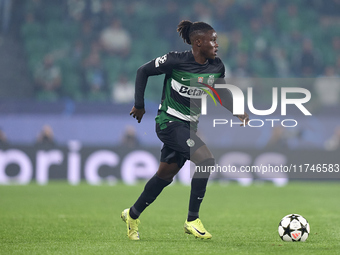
294, 228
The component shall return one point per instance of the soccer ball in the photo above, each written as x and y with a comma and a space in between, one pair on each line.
294, 228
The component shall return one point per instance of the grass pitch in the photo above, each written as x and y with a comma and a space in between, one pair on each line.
63, 219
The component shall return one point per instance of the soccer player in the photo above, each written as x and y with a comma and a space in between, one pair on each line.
177, 120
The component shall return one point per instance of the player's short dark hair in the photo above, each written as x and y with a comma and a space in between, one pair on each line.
186, 29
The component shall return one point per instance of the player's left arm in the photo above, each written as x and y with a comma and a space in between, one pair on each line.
227, 100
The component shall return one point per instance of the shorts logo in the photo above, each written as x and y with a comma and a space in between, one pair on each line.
190, 142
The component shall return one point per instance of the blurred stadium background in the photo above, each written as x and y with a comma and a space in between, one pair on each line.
67, 71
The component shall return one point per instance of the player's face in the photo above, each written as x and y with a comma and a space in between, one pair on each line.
209, 45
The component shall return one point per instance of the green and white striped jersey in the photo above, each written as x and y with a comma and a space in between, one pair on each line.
181, 97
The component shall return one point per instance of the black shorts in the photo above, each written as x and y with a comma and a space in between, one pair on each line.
179, 142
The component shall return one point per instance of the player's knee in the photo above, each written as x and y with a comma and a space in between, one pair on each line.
167, 172
204, 168
201, 154
207, 162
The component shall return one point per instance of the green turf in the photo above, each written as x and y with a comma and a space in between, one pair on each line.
63, 219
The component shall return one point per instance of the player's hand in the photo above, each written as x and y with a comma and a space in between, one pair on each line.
137, 113
244, 118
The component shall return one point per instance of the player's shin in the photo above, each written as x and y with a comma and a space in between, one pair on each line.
151, 190
198, 187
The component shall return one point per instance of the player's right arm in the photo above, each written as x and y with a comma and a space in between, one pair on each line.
157, 66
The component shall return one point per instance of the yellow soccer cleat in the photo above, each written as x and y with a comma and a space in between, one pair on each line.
132, 225
197, 229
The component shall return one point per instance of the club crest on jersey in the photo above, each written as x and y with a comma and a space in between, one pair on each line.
211, 79
200, 79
